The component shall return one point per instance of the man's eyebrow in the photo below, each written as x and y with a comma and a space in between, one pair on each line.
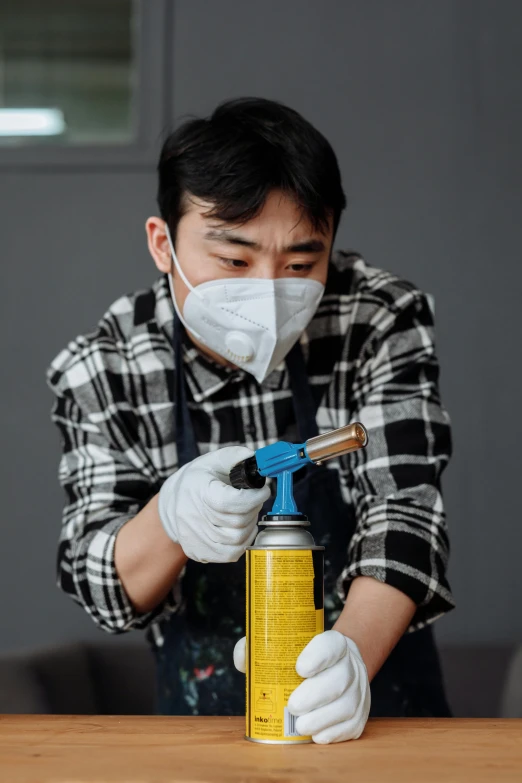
308, 246
224, 235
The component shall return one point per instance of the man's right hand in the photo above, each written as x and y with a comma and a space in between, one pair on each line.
199, 509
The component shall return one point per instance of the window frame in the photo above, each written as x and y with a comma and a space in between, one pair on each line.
152, 110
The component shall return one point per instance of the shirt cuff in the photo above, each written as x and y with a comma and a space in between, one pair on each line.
102, 592
407, 554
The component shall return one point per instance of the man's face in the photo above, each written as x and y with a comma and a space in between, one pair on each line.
276, 243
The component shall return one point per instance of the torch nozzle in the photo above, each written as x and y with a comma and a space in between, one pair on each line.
337, 442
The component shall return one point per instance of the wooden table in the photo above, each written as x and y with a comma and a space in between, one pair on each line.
135, 749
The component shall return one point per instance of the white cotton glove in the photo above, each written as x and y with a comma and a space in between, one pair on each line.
211, 520
333, 702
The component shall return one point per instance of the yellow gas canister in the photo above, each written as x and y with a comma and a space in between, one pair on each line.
285, 593
284, 611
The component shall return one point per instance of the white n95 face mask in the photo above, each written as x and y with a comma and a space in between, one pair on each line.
251, 322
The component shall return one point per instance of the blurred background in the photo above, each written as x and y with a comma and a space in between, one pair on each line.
421, 100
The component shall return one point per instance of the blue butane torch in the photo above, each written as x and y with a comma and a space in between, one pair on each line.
281, 459
285, 605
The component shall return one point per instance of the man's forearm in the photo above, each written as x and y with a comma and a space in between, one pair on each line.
147, 561
375, 616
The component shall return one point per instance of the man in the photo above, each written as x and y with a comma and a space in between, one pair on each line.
253, 314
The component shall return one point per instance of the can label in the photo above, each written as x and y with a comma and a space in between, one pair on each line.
284, 611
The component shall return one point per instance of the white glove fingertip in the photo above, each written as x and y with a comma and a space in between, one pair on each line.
321, 652
240, 655
341, 732
252, 499
294, 704
321, 739
262, 495
350, 728
224, 499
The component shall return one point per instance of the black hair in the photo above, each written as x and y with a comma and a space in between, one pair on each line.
245, 149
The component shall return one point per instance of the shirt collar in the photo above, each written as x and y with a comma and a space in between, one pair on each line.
205, 378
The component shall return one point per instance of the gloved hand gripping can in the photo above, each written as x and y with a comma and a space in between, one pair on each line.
284, 583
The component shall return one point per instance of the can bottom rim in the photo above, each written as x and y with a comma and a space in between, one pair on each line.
279, 742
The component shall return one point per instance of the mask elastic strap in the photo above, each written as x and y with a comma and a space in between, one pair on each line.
177, 264
171, 286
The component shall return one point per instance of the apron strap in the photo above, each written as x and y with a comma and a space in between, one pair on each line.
186, 443
302, 397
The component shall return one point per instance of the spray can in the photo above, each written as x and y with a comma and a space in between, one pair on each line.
284, 611
285, 593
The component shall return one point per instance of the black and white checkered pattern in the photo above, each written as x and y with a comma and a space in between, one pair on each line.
370, 356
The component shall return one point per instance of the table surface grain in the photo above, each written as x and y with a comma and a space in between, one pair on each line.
133, 749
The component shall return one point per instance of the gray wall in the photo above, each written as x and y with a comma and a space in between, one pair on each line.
422, 102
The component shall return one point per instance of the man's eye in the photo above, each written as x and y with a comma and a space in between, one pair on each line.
234, 263
300, 267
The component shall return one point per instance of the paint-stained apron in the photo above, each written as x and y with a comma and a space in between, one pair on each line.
195, 670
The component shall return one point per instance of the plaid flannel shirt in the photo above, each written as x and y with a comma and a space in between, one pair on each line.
370, 356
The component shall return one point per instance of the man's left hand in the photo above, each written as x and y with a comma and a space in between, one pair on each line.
333, 702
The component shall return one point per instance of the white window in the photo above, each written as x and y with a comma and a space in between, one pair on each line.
81, 80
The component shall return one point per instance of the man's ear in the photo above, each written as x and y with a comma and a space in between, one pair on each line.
158, 244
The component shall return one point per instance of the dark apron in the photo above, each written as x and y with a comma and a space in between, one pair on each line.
195, 670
